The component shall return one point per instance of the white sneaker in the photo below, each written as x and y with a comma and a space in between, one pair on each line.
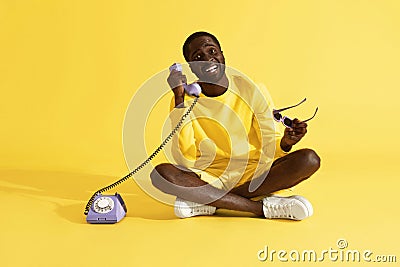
185, 209
293, 207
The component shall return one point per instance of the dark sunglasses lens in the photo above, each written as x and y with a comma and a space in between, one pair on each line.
288, 122
277, 116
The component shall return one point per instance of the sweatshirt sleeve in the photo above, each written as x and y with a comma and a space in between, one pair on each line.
183, 142
271, 131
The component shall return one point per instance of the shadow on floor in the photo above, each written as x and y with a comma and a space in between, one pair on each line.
63, 188
69, 192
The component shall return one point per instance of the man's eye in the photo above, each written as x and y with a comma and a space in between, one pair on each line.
197, 57
213, 51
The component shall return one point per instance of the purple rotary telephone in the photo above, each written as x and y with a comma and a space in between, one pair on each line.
107, 209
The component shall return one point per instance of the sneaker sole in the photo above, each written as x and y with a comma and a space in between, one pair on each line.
183, 209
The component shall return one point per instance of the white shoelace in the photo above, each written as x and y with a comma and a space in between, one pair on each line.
279, 210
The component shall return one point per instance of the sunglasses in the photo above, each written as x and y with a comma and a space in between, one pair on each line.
288, 122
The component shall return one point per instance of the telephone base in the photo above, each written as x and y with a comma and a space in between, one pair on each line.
106, 209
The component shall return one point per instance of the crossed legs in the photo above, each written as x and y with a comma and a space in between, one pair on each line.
285, 172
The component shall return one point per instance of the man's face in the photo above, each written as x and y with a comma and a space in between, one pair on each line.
206, 59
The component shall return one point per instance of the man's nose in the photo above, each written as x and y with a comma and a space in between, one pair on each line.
209, 58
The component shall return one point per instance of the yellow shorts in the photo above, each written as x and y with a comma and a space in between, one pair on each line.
210, 179
222, 183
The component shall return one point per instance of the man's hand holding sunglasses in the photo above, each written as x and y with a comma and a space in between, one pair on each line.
295, 129
293, 135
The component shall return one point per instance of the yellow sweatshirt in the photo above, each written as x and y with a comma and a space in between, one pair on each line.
232, 137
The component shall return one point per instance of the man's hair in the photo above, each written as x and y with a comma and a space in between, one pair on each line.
193, 36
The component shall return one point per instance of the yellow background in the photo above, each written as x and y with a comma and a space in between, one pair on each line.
68, 70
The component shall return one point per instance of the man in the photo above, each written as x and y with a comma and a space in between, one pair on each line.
195, 184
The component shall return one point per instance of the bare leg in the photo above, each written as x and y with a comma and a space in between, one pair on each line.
189, 186
285, 172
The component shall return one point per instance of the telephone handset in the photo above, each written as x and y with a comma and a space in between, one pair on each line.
106, 209
191, 89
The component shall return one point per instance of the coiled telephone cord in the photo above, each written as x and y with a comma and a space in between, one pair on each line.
144, 163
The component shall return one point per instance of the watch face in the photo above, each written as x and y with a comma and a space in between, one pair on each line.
103, 205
